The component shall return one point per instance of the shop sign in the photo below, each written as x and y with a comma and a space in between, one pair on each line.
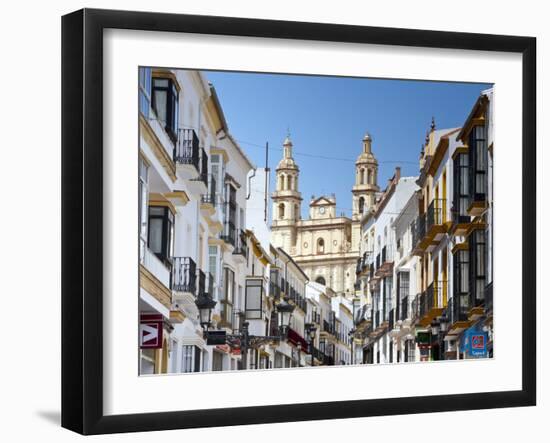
150, 331
474, 343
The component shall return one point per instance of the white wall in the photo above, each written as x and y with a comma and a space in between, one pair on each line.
31, 37
255, 205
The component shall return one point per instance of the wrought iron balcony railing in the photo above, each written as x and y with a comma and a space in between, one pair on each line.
435, 213
229, 233
240, 245
202, 284
436, 295
391, 319
184, 275
186, 150
419, 231
203, 173
458, 307
210, 197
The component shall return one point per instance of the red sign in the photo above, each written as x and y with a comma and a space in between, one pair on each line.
297, 339
150, 331
224, 348
478, 341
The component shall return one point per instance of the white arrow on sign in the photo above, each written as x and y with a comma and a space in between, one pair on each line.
148, 333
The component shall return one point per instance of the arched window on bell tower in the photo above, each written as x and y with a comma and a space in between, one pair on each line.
362, 177
281, 182
361, 205
296, 214
320, 246
369, 177
290, 183
281, 211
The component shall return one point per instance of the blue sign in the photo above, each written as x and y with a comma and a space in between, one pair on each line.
474, 343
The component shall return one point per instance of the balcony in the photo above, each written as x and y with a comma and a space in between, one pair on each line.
380, 324
458, 308
208, 200
315, 318
436, 214
184, 275
385, 265
415, 307
391, 320
460, 219
404, 314
432, 227
317, 354
201, 292
328, 327
241, 248
433, 302
187, 151
199, 183
418, 234
229, 233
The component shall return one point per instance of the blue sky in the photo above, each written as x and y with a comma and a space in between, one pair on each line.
328, 116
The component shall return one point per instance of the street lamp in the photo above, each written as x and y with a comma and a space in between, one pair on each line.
443, 323
205, 305
284, 312
435, 327
310, 333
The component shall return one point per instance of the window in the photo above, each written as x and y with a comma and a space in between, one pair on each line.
253, 301
281, 211
403, 283
461, 286
165, 104
242, 223
320, 246
478, 162
230, 214
279, 358
147, 361
296, 213
218, 171
362, 177
190, 358
409, 351
461, 191
143, 197
217, 361
213, 264
478, 265
161, 232
144, 91
173, 356
369, 177
361, 205
229, 280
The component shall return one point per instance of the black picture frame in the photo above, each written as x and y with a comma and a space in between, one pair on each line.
82, 218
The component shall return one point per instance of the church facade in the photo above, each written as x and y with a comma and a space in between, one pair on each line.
325, 245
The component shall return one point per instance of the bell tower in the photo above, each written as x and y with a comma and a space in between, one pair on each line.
366, 180
287, 200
